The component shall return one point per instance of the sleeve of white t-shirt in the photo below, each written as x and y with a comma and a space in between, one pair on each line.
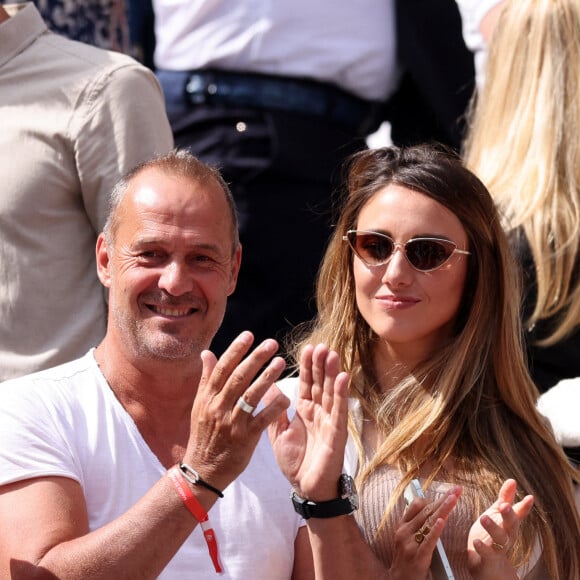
32, 441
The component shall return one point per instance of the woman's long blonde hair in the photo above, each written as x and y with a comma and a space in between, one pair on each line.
523, 143
472, 404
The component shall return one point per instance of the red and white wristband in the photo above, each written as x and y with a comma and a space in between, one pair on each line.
196, 509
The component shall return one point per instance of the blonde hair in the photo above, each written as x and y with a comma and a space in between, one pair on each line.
523, 143
472, 404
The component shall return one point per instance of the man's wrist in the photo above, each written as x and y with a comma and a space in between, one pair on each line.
193, 477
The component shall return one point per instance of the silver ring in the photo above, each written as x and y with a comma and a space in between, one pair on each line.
244, 406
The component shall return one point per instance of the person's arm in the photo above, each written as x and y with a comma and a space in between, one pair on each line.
303, 563
310, 452
43, 522
120, 123
45, 532
489, 20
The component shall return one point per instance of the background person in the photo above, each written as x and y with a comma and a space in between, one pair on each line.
88, 450
522, 144
560, 405
479, 18
418, 300
74, 118
102, 23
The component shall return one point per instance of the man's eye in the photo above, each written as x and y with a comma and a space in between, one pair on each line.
150, 255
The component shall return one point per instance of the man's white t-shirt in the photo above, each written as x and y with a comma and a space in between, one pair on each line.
67, 422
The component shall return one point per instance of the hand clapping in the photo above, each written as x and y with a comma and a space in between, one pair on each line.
310, 447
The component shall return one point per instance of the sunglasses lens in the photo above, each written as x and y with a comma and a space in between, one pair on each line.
373, 249
428, 254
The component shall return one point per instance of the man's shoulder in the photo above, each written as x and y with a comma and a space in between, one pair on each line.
36, 43
70, 372
82, 55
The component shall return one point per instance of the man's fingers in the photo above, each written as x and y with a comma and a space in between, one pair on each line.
208, 360
274, 414
254, 393
233, 374
279, 423
216, 373
241, 374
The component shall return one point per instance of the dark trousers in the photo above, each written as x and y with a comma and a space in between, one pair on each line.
284, 170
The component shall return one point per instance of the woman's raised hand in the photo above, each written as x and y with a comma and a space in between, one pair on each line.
310, 447
494, 534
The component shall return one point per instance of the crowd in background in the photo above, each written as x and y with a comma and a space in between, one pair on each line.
312, 112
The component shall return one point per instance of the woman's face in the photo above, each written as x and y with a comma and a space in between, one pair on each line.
405, 307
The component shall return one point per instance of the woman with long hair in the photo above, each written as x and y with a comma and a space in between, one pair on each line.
419, 325
523, 144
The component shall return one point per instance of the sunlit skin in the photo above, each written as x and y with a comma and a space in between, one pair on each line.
410, 311
170, 269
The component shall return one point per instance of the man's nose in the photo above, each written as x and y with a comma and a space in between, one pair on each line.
176, 278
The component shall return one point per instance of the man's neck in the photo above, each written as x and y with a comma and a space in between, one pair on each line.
158, 397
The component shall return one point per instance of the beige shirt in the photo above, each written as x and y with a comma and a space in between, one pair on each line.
73, 118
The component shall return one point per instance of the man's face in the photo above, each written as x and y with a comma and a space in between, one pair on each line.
171, 266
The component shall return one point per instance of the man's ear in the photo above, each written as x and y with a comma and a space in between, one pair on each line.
103, 260
236, 261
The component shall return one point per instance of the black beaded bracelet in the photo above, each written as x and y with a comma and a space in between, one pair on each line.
193, 477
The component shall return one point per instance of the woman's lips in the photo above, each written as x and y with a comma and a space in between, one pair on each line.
398, 302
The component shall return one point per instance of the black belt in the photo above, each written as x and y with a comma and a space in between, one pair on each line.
257, 91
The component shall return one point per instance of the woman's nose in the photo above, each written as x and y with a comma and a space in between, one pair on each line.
398, 271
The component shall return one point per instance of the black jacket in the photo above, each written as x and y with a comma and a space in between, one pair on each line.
438, 74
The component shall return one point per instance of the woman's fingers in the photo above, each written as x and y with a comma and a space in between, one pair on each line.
421, 508
305, 374
500, 538
524, 507
319, 372
507, 492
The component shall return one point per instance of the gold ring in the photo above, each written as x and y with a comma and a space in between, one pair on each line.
422, 533
245, 406
499, 547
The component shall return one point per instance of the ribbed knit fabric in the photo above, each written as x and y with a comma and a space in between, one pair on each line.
374, 497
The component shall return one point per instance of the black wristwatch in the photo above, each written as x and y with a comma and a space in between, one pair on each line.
346, 504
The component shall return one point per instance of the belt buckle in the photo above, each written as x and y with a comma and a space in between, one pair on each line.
197, 89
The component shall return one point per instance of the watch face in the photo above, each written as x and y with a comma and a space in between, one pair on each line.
348, 489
